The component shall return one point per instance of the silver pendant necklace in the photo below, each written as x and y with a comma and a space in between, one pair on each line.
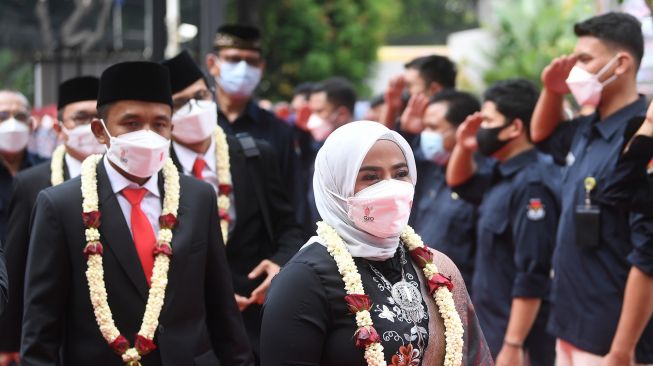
405, 294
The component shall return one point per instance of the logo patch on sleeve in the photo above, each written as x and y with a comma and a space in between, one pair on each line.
535, 210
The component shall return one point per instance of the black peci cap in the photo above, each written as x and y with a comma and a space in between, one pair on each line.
135, 80
183, 71
238, 36
77, 89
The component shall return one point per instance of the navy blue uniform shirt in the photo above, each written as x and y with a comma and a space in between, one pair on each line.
263, 125
631, 186
517, 221
588, 286
6, 182
443, 220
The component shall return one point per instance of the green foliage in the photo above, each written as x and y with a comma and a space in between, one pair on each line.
310, 40
16, 73
431, 21
532, 33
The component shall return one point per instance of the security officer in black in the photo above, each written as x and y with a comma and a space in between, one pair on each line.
517, 216
443, 220
237, 65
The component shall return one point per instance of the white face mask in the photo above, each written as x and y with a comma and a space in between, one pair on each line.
382, 209
14, 135
586, 87
82, 140
238, 79
140, 153
195, 124
432, 146
319, 128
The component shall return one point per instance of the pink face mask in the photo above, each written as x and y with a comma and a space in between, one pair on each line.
382, 209
586, 87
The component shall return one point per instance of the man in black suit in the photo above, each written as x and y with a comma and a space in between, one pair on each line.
199, 321
262, 232
76, 109
3, 282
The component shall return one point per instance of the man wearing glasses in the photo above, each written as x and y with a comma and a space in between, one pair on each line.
75, 111
262, 234
237, 65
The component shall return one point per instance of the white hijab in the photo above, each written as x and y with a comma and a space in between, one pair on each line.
336, 168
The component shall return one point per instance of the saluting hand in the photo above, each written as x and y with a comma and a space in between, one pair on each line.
270, 269
411, 119
392, 95
554, 76
466, 132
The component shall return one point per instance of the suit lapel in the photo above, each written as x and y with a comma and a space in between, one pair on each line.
66, 172
116, 233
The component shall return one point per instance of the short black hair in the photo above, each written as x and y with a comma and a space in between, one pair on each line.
303, 89
616, 29
377, 100
435, 68
514, 98
339, 92
103, 111
459, 105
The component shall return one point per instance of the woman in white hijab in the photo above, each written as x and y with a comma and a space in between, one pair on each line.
365, 291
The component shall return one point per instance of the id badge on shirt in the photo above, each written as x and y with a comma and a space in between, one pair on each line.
588, 226
587, 218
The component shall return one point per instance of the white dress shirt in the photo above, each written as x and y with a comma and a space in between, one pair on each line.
209, 174
187, 159
151, 204
74, 166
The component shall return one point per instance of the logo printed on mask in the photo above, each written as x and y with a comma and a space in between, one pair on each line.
140, 153
367, 216
382, 209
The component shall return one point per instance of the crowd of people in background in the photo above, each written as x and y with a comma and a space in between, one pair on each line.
548, 219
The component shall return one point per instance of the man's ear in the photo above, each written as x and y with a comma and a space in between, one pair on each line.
99, 132
212, 64
434, 88
517, 128
624, 63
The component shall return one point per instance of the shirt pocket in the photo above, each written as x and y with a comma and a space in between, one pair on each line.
491, 226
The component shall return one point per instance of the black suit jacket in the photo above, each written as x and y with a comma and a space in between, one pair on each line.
3, 282
26, 186
249, 243
199, 322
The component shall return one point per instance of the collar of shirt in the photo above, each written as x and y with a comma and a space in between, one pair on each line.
187, 157
609, 126
251, 112
74, 166
516, 163
119, 182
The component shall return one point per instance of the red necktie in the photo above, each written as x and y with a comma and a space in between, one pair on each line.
142, 232
198, 166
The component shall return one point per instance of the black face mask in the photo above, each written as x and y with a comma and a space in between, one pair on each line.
488, 139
